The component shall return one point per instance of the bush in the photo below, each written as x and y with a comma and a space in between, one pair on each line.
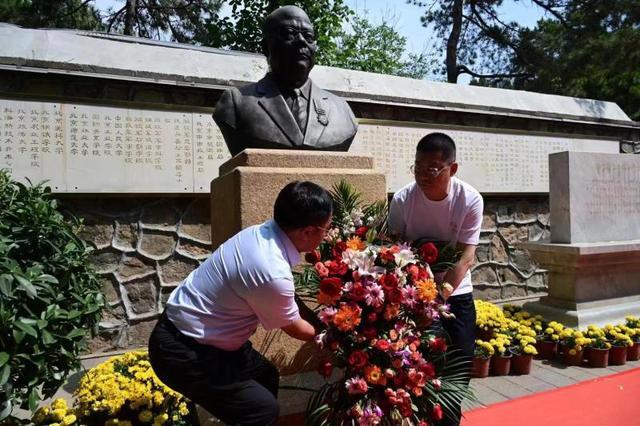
49, 294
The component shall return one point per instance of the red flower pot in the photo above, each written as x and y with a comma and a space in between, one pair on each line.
521, 364
573, 359
598, 358
500, 365
633, 352
546, 349
618, 355
480, 367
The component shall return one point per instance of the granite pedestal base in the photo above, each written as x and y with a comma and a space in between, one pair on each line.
589, 283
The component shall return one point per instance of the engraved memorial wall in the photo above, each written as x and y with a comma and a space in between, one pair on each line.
96, 149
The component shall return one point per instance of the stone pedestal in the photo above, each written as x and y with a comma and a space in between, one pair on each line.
243, 195
589, 283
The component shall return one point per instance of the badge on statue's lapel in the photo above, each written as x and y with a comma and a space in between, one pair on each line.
321, 113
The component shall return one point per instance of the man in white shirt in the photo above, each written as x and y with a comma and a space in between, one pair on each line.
440, 207
200, 345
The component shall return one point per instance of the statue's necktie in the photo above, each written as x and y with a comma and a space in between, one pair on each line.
299, 110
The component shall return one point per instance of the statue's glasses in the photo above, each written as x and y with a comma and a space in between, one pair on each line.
290, 34
434, 172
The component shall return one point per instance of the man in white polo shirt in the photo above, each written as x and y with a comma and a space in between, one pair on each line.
440, 207
200, 345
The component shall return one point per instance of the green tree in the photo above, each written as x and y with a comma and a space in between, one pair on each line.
183, 21
51, 14
590, 50
375, 48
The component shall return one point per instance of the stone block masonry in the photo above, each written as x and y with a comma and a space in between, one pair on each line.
147, 246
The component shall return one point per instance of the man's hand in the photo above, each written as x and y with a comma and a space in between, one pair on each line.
300, 329
468, 258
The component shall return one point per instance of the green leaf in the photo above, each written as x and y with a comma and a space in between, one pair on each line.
47, 338
28, 329
34, 398
18, 336
76, 333
5, 372
4, 357
27, 286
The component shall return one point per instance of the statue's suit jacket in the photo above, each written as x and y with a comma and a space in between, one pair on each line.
257, 116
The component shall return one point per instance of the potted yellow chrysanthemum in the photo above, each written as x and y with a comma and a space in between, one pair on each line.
501, 359
597, 352
633, 324
547, 340
573, 343
619, 344
481, 359
523, 349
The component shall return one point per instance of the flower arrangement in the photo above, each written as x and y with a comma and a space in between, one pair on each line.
123, 390
573, 340
483, 349
380, 305
58, 414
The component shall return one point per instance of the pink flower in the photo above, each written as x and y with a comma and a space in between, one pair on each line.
374, 295
371, 416
321, 269
356, 385
409, 296
326, 315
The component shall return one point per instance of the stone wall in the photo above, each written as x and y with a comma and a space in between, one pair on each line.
147, 246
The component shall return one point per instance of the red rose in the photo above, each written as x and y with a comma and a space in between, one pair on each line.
394, 296
357, 292
438, 344
312, 257
383, 344
372, 317
325, 369
389, 282
429, 252
358, 359
436, 413
362, 231
331, 286
336, 251
337, 267
428, 369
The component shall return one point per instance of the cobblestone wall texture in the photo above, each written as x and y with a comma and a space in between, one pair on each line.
147, 246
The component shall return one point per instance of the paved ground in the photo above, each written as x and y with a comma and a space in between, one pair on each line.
544, 375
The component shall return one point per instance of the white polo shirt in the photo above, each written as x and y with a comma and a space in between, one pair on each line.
456, 219
246, 281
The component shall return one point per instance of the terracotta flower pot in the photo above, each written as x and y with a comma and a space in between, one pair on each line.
618, 355
633, 352
521, 364
483, 334
546, 349
573, 359
480, 367
598, 358
500, 365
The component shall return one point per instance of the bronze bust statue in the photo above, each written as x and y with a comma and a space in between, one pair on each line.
285, 109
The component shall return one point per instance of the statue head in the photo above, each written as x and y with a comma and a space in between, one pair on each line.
289, 44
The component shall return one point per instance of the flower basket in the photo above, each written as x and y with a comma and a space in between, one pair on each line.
633, 352
480, 368
546, 349
597, 357
573, 356
500, 365
618, 355
521, 364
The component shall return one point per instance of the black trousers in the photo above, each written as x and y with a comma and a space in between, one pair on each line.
462, 331
238, 387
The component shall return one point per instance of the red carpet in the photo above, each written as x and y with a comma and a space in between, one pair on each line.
607, 401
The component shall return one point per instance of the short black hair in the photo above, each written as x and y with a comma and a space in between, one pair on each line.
438, 142
302, 203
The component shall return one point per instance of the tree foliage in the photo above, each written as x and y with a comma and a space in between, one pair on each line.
76, 14
375, 48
